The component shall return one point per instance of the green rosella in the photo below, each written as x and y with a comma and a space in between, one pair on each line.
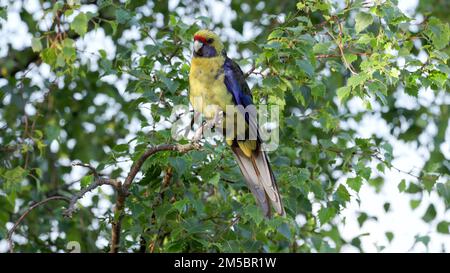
216, 80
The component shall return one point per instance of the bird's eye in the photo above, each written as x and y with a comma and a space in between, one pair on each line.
210, 40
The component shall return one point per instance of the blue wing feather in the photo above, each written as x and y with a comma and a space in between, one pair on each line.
236, 84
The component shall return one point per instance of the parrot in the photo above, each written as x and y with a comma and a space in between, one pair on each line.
217, 82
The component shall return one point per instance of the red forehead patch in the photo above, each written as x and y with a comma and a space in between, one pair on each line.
200, 38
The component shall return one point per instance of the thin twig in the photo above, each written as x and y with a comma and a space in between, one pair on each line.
233, 222
97, 183
90, 167
17, 223
340, 46
373, 154
248, 73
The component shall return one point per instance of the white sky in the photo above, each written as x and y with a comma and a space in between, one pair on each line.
401, 220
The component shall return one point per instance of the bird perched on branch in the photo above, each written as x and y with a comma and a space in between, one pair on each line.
218, 84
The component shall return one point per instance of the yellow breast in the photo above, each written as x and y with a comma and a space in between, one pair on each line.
208, 92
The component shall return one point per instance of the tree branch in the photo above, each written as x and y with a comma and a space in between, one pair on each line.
122, 189
97, 183
17, 223
135, 168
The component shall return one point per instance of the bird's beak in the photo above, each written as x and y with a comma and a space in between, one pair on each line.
197, 45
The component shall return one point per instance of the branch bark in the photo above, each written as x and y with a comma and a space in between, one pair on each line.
97, 183
122, 192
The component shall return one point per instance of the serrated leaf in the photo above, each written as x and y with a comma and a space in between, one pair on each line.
355, 183
326, 214
49, 55
362, 21
429, 181
342, 194
358, 79
15, 175
255, 214
350, 58
122, 16
343, 92
180, 204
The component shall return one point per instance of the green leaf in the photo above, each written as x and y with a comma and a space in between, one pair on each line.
120, 148
358, 79
298, 95
423, 239
402, 186
326, 214
3, 13
215, 179
86, 180
365, 39
343, 92
68, 48
52, 132
179, 163
430, 214
285, 230
342, 194
113, 27
350, 57
318, 90
49, 55
254, 213
305, 66
443, 227
439, 32
38, 172
36, 44
414, 204
429, 181
321, 48
362, 21
171, 85
389, 236
15, 175
122, 16
354, 183
79, 24
180, 204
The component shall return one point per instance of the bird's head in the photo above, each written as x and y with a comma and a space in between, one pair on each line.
207, 44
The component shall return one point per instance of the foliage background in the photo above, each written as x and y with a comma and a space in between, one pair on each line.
95, 82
